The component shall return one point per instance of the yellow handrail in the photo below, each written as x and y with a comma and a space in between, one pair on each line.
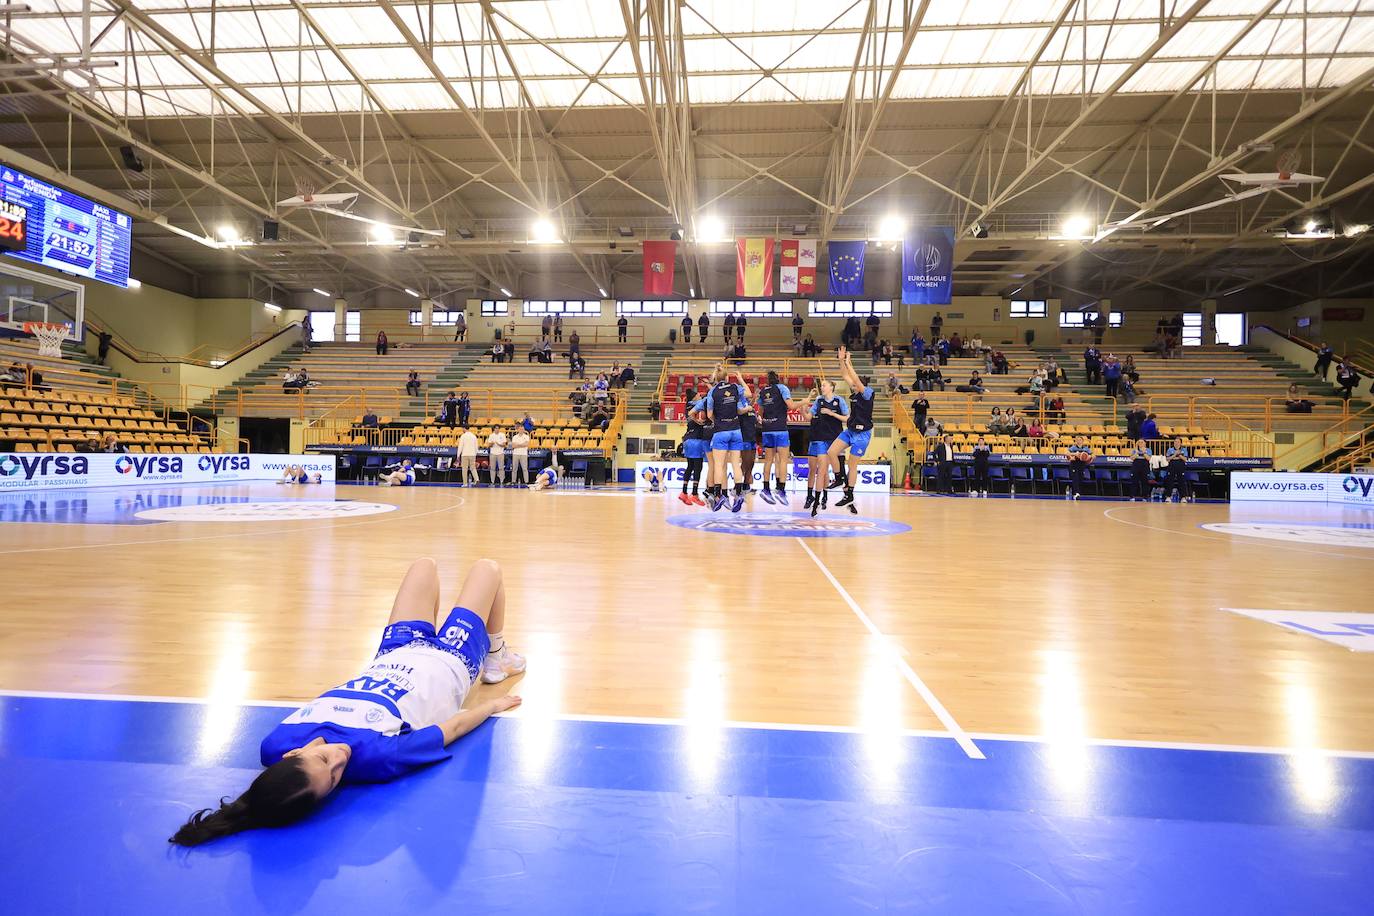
1352, 424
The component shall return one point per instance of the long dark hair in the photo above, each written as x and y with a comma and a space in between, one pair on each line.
772, 377
279, 795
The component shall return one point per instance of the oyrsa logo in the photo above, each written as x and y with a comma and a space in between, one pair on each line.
44, 466
215, 463
140, 466
1361, 485
791, 524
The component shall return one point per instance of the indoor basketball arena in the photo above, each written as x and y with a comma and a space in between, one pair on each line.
687, 456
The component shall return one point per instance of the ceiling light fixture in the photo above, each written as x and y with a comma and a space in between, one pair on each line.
1075, 226
543, 231
504, 291
228, 233
710, 229
323, 292
411, 292
890, 228
271, 307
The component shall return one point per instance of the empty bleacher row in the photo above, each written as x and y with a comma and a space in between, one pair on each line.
59, 420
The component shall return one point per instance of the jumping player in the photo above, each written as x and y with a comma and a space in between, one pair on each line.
547, 479
724, 402
749, 433
694, 450
774, 400
858, 427
398, 715
402, 476
828, 411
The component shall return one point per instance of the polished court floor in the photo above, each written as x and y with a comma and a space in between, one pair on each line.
941, 705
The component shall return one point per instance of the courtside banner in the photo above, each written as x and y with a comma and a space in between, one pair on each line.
873, 478
1333, 489
65, 470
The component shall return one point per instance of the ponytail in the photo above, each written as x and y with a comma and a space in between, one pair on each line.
772, 377
278, 796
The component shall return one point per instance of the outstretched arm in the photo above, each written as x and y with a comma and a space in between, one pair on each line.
466, 720
847, 370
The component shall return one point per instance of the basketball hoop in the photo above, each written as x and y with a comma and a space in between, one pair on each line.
306, 190
50, 336
1288, 164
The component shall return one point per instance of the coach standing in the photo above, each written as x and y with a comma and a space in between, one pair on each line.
467, 457
944, 465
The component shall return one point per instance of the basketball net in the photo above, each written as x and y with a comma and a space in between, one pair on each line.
1288, 164
306, 190
50, 337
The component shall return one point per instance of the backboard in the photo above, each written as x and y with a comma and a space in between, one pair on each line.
28, 297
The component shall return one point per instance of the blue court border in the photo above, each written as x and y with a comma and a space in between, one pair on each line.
537, 815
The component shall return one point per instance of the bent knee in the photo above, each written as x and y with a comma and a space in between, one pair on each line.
487, 566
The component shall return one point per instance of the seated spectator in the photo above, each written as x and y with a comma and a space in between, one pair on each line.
936, 379
627, 377
1052, 377
1054, 410
36, 378
110, 443
1000, 364
602, 387
1129, 370
369, 420
577, 366
975, 383
975, 345
1128, 392
997, 423
809, 347
577, 397
894, 386
90, 444
413, 384
1035, 430
498, 352
738, 354
1346, 376
295, 380
956, 344
599, 418
1149, 430
614, 374
1296, 403
1012, 423
932, 429
13, 377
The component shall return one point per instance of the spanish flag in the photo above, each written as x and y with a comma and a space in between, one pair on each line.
753, 267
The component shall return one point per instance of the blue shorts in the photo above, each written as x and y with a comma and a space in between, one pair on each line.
776, 440
463, 634
694, 448
408, 480
818, 448
857, 441
728, 440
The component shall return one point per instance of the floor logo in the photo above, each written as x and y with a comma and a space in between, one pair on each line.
280, 511
1324, 535
787, 524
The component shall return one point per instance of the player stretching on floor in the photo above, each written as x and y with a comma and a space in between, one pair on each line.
724, 402
398, 715
402, 476
694, 450
827, 419
547, 479
774, 400
858, 427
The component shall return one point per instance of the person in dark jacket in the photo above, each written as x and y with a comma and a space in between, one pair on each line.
1346, 377
703, 325
943, 456
1323, 365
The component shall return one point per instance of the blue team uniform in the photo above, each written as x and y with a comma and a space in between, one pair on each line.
694, 441
550, 476
726, 399
773, 407
859, 428
825, 429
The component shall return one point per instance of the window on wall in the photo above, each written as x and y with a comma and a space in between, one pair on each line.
847, 308
353, 326
1192, 329
652, 307
1028, 308
322, 327
1231, 329
1080, 319
767, 308
438, 318
536, 308
495, 308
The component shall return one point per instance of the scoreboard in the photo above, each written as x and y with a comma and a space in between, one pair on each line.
52, 226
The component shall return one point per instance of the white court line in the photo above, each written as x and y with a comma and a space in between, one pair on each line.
908, 672
1241, 540
766, 726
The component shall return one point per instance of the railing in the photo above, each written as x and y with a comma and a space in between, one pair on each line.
1351, 429
1188, 408
1350, 462
210, 358
546, 403
1242, 439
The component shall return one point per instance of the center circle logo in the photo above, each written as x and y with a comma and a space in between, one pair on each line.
1324, 535
290, 510
124, 464
9, 465
787, 524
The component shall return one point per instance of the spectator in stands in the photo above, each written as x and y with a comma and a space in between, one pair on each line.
110, 443
1035, 430
956, 344
382, 343
305, 335
741, 325
1323, 365
869, 341
729, 328
943, 456
546, 327
496, 455
1159, 345
467, 458
976, 383
13, 377
1080, 456
975, 346
1013, 424
627, 377
703, 325
602, 387
1140, 469
577, 397
298, 380
1092, 364
874, 324
885, 351
103, 349
1054, 410
536, 350
918, 347
1296, 403
942, 348
1099, 326
1346, 377
599, 419
1176, 329
809, 347
738, 353
922, 377
1127, 390
1053, 374
997, 423
936, 324
528, 424
932, 429
545, 351
460, 326
90, 444
1035, 385
413, 383
894, 385
797, 324
369, 420
577, 366
464, 408
1111, 375
622, 327
575, 344
557, 328
920, 407
1149, 430
498, 352
1000, 364
686, 328
520, 456
1129, 370
1134, 417
1178, 472
615, 374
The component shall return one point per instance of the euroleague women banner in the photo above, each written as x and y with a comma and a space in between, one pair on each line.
928, 266
659, 259
753, 267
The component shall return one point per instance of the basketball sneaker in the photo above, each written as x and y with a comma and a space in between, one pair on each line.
825, 498
853, 509
685, 499
846, 500
738, 504
718, 502
781, 497
810, 499
697, 500
767, 496
498, 666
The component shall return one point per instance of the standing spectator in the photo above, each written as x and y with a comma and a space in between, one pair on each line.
956, 344
942, 348
305, 334
1134, 418
1080, 456
742, 325
464, 406
381, 343
1149, 430
528, 424
546, 327
575, 345
450, 412
413, 384
920, 407
729, 328
1346, 377
104, 349
1111, 375
918, 347
703, 325
686, 328
943, 455
520, 457
460, 326
622, 326
936, 324
1099, 327
557, 328
874, 325
797, 325
1323, 365
496, 455
982, 480
1092, 365
467, 458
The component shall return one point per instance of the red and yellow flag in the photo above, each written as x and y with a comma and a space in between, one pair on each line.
753, 267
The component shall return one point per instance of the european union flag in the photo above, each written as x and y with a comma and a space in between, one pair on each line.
847, 268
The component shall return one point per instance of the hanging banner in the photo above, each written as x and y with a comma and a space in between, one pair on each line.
659, 259
928, 266
798, 271
753, 267
846, 268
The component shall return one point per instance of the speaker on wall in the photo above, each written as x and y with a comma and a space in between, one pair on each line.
271, 230
131, 160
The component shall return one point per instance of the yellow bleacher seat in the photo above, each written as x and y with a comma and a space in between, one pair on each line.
24, 447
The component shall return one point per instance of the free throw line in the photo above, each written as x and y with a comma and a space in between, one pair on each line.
914, 679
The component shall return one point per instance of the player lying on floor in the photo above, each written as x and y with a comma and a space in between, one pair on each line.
297, 474
400, 475
547, 479
398, 715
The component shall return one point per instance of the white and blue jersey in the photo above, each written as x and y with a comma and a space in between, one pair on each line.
726, 400
549, 476
390, 714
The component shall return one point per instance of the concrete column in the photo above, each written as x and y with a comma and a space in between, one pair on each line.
340, 313
426, 318
1209, 322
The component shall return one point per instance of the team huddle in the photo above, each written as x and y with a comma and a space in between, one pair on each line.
727, 425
